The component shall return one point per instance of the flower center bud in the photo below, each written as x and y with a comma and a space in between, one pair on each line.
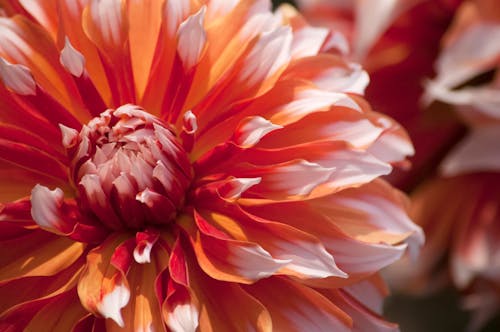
130, 169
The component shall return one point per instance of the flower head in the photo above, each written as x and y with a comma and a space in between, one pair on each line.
190, 165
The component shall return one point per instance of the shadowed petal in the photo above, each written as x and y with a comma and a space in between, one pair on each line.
294, 307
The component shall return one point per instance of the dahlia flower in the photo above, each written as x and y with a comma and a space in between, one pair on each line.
190, 165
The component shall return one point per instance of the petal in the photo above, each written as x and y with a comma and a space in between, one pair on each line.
392, 146
351, 256
180, 309
60, 315
17, 182
370, 211
32, 159
142, 312
192, 39
72, 60
103, 289
227, 42
330, 73
47, 210
222, 316
306, 255
231, 260
357, 257
53, 255
268, 56
307, 40
335, 125
17, 293
144, 244
468, 55
309, 101
294, 307
145, 23
363, 319
17, 213
105, 23
44, 12
250, 130
478, 152
27, 44
295, 178
183, 318
371, 292
17, 78
472, 102
373, 18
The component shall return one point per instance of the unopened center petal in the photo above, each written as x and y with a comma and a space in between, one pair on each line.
129, 168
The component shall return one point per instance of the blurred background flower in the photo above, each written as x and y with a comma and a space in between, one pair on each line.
453, 121
190, 165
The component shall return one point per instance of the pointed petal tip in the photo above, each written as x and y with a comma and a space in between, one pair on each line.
113, 302
192, 39
252, 129
72, 60
184, 318
69, 136
190, 124
235, 187
17, 78
45, 205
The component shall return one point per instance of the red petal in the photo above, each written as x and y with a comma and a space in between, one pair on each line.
53, 255
103, 289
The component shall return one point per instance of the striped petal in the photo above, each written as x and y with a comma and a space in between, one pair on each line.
103, 289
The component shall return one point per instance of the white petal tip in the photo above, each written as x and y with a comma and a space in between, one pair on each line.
17, 78
192, 39
190, 124
142, 254
113, 302
69, 136
45, 205
238, 186
72, 60
251, 130
184, 318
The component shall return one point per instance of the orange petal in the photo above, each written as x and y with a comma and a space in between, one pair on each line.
40, 55
106, 24
18, 293
363, 318
69, 13
224, 48
226, 316
145, 23
380, 211
180, 310
60, 315
307, 256
37, 253
103, 289
294, 307
143, 312
231, 260
45, 12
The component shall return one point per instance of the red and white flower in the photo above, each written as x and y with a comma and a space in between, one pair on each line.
189, 165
